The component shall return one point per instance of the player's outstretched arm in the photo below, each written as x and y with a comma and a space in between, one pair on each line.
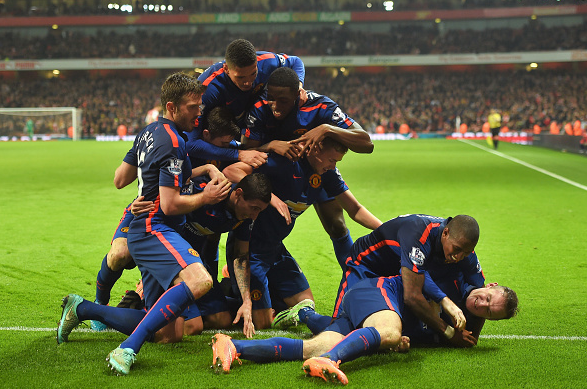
209, 170
242, 274
237, 171
357, 211
124, 175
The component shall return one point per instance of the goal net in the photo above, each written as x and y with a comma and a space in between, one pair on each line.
40, 123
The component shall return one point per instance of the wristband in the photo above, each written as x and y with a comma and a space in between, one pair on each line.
449, 332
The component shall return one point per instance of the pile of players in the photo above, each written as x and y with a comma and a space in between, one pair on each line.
414, 279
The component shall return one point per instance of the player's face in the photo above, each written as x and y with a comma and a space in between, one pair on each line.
488, 302
243, 78
187, 112
455, 248
281, 100
324, 160
248, 209
221, 141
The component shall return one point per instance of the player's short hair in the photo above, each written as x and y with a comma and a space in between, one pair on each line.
285, 77
330, 143
221, 123
511, 302
240, 53
179, 85
256, 186
464, 226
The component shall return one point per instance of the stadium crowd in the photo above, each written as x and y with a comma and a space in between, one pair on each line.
96, 7
427, 102
320, 41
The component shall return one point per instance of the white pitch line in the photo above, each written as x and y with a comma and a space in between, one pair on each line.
536, 168
285, 333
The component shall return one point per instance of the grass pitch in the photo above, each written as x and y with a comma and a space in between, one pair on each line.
58, 212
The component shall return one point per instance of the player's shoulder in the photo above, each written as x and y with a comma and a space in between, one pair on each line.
213, 74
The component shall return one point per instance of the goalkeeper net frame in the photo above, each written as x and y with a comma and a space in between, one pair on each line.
54, 125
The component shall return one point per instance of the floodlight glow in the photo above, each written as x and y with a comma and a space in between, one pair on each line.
157, 8
56, 72
145, 7
342, 69
388, 5
170, 7
55, 26
340, 22
163, 8
533, 65
437, 20
533, 17
116, 6
369, 5
151, 7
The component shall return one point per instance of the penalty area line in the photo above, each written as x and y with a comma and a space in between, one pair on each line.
536, 168
286, 333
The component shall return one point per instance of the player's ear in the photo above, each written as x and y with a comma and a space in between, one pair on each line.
491, 285
170, 107
225, 67
206, 135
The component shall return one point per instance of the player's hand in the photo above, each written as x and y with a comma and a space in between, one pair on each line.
458, 317
246, 312
311, 140
281, 207
463, 339
253, 158
286, 149
216, 190
214, 173
140, 206
303, 96
403, 346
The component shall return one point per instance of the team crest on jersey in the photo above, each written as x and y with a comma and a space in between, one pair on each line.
256, 295
338, 115
315, 180
124, 229
417, 256
175, 166
193, 252
300, 131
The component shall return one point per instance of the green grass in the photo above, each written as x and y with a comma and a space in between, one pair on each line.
59, 208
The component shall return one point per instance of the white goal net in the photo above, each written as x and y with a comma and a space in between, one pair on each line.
40, 123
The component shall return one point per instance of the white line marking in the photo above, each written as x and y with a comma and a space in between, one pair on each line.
304, 335
540, 170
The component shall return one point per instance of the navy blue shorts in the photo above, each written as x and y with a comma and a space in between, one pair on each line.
277, 267
122, 229
212, 302
365, 298
160, 256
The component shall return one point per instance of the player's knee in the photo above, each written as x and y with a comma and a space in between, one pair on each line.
193, 327
197, 279
262, 318
118, 256
390, 337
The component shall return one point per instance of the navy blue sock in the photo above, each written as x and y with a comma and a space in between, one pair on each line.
270, 350
342, 249
123, 320
363, 341
315, 322
105, 281
170, 305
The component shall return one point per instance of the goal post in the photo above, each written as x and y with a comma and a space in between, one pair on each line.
40, 123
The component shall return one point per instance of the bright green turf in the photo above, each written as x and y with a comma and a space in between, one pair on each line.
58, 211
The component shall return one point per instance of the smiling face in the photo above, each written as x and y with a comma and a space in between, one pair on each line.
243, 78
324, 160
455, 248
281, 100
488, 302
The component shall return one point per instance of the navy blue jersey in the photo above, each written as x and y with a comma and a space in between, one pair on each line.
298, 186
221, 91
160, 156
213, 218
262, 125
411, 241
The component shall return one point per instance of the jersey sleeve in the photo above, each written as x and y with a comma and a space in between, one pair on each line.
295, 63
174, 165
131, 156
431, 290
335, 116
333, 183
199, 148
472, 271
255, 122
413, 251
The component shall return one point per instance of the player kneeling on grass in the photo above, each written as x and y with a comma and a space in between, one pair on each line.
370, 320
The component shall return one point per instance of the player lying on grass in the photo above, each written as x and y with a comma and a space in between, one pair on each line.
370, 320
413, 244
